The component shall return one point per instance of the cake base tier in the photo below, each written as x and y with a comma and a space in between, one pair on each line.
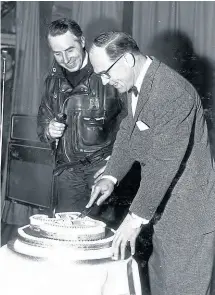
31, 243
29, 236
60, 254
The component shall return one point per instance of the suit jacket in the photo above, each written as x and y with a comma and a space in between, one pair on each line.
176, 165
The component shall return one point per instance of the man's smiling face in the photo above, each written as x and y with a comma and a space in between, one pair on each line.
68, 50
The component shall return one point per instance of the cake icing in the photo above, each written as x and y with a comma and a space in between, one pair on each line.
67, 226
66, 236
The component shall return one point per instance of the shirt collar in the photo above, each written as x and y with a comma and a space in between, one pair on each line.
142, 74
85, 61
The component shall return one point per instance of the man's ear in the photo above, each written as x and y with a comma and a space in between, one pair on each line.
82, 41
130, 60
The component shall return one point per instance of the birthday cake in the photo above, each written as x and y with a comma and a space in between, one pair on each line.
66, 235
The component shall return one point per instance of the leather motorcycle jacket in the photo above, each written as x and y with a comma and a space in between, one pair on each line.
93, 113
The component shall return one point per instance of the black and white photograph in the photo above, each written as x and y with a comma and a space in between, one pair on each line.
107, 147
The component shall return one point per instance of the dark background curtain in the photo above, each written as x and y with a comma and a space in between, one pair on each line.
27, 69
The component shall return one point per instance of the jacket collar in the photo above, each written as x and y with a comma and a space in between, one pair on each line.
56, 70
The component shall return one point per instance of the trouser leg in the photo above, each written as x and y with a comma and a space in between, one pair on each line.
71, 191
181, 265
74, 187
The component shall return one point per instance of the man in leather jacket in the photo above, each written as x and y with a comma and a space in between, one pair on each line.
78, 116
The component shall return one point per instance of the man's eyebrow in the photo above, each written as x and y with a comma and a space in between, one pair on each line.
71, 47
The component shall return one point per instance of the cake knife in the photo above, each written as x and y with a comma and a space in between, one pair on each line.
86, 211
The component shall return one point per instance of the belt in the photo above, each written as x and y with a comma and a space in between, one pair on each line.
94, 158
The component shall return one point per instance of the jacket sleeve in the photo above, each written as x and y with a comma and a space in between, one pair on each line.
171, 136
121, 161
45, 114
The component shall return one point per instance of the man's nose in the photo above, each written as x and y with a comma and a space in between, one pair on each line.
65, 57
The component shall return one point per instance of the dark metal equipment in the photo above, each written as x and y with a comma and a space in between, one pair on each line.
30, 165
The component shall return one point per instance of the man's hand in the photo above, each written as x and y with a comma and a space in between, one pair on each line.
127, 232
56, 129
104, 187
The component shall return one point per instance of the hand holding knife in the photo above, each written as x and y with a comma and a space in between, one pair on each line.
86, 211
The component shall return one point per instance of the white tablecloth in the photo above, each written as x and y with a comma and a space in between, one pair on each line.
22, 275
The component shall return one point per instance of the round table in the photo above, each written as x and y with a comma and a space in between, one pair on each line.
23, 275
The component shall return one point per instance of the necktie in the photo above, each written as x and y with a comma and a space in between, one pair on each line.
134, 90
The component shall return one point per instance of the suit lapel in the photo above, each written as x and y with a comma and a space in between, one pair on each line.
144, 92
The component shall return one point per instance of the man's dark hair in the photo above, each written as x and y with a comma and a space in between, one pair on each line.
116, 44
61, 26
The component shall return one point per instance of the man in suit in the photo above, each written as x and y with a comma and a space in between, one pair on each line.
165, 130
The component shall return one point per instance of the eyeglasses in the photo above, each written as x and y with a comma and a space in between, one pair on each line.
105, 74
